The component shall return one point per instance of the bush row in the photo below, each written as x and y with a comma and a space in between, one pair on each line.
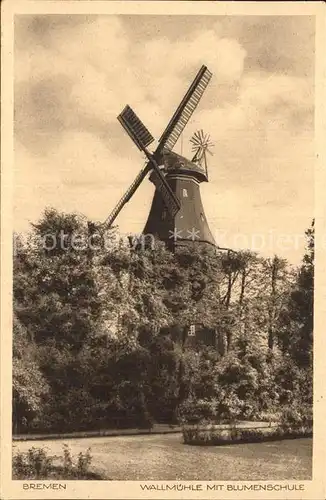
212, 437
36, 463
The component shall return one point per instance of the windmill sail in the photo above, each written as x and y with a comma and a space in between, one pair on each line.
184, 111
126, 197
142, 138
171, 202
135, 128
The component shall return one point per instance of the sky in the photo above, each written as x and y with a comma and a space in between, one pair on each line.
75, 73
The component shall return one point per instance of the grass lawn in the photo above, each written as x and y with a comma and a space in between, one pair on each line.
165, 457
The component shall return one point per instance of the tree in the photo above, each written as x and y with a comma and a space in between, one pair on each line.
55, 285
278, 289
297, 330
29, 385
106, 329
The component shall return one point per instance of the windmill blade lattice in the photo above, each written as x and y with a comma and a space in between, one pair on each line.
185, 110
135, 128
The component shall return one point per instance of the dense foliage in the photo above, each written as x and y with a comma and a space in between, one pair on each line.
36, 463
101, 335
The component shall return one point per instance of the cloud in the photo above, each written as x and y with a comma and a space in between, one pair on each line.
79, 176
284, 44
225, 57
97, 60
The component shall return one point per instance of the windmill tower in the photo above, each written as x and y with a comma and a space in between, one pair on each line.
177, 215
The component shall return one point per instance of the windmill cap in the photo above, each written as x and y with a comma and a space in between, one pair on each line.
175, 163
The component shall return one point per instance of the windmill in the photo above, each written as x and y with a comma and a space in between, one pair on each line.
201, 145
176, 214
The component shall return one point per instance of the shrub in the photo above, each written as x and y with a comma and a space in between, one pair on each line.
67, 459
268, 416
81, 466
196, 411
232, 435
83, 462
230, 408
296, 415
37, 464
34, 464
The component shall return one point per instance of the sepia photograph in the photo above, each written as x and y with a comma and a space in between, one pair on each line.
163, 251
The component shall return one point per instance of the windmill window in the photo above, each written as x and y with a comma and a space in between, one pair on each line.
164, 215
202, 216
185, 193
192, 331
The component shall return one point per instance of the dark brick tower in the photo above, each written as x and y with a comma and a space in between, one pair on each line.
190, 223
